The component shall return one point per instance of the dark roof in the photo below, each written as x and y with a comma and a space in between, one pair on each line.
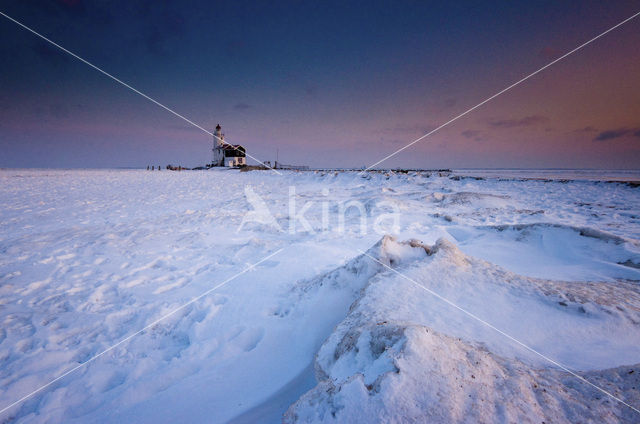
232, 146
218, 127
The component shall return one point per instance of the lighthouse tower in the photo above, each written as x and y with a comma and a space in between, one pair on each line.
218, 137
218, 143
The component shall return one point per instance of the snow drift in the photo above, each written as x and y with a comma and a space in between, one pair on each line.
395, 361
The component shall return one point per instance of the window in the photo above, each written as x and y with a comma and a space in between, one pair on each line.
237, 152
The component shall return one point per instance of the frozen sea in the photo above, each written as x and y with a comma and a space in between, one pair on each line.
322, 296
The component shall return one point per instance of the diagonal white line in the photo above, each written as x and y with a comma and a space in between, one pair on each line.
472, 315
124, 84
105, 73
129, 337
501, 92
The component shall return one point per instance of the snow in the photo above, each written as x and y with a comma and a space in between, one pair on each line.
319, 330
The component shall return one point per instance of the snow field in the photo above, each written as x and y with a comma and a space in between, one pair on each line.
90, 257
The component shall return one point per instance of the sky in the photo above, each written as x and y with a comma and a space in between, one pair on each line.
323, 84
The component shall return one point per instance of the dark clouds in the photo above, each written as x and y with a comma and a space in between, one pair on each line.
527, 121
474, 135
617, 133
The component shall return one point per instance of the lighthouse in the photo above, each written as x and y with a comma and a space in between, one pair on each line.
225, 154
218, 137
218, 142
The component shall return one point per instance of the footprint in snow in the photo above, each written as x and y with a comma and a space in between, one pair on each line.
181, 282
280, 311
247, 339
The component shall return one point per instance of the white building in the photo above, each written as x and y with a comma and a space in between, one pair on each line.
225, 154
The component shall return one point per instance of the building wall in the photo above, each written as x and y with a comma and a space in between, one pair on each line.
237, 161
